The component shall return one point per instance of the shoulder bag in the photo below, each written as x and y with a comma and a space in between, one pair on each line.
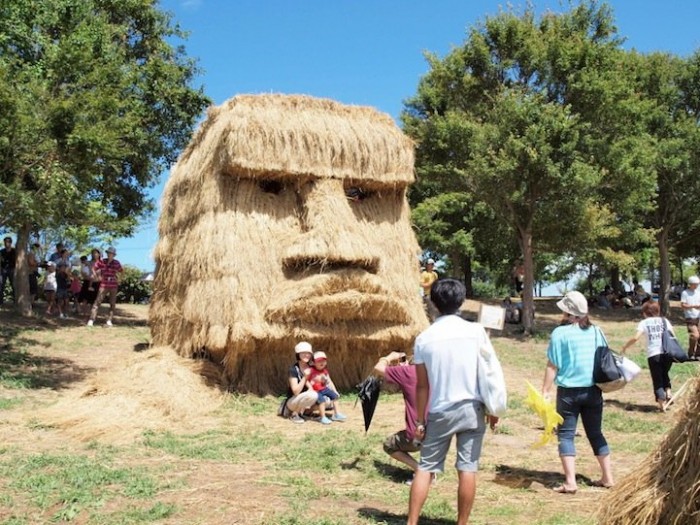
491, 383
671, 347
607, 367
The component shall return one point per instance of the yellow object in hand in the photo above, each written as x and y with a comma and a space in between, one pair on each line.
547, 412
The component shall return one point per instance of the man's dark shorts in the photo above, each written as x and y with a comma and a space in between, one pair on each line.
400, 442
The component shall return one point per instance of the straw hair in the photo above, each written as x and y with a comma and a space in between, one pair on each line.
665, 488
263, 243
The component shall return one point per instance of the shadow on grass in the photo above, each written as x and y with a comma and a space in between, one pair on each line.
395, 519
21, 369
630, 407
392, 472
522, 478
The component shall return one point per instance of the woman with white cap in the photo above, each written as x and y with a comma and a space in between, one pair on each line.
300, 396
690, 303
570, 357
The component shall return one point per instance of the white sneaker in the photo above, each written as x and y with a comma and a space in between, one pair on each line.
90, 323
109, 323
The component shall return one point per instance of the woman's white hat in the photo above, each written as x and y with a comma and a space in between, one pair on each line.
574, 303
693, 279
302, 347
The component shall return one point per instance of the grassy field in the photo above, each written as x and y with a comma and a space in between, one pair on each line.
97, 427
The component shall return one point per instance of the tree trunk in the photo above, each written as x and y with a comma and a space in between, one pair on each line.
468, 276
615, 279
664, 272
525, 241
23, 300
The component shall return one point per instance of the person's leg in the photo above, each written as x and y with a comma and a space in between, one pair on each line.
3, 280
693, 337
96, 304
666, 379
112, 303
656, 372
398, 446
592, 419
568, 409
466, 492
419, 493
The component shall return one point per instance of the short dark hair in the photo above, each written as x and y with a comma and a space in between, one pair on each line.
448, 295
7, 239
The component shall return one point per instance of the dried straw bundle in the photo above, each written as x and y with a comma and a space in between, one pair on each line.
157, 390
285, 219
665, 489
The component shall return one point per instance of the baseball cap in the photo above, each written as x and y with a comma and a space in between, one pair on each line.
693, 279
320, 356
303, 347
50, 263
574, 303
430, 261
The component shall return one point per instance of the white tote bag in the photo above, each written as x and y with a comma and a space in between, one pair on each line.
492, 384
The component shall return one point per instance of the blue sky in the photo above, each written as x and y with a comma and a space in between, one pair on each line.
367, 52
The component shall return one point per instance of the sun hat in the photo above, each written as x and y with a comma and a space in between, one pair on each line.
574, 303
320, 356
302, 347
111, 250
693, 279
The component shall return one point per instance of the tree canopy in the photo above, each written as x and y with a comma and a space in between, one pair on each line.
97, 101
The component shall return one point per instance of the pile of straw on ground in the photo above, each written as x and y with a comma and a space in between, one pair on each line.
155, 390
286, 219
665, 488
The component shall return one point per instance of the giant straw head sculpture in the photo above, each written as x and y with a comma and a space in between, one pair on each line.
286, 219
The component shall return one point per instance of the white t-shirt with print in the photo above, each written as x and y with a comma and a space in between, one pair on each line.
653, 328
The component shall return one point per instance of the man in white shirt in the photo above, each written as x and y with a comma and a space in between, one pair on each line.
690, 303
445, 356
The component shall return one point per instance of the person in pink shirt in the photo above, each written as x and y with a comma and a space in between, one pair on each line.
107, 271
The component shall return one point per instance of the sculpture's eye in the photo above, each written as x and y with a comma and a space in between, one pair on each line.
357, 194
271, 186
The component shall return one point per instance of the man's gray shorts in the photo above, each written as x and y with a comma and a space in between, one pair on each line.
466, 420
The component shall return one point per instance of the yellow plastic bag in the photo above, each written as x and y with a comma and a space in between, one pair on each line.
547, 412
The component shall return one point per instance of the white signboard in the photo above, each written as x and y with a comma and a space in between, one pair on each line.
492, 316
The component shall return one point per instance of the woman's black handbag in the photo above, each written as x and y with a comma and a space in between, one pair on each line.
671, 347
607, 374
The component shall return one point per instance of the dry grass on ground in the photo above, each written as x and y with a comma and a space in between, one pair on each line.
75, 402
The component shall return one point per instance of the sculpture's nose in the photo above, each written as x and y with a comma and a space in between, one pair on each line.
331, 235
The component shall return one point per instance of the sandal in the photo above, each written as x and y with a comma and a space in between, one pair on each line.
561, 489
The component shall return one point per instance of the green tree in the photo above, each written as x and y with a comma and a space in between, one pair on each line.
497, 115
97, 102
132, 288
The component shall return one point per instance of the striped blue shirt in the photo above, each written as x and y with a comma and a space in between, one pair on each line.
572, 350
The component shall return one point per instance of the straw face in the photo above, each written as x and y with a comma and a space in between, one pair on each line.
286, 219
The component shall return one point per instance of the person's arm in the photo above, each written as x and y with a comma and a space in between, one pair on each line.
550, 372
389, 360
422, 389
297, 386
631, 341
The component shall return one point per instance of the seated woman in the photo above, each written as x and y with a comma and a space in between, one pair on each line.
300, 396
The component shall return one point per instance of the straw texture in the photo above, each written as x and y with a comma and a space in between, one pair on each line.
665, 488
285, 219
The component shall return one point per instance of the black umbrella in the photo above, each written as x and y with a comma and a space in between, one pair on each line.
368, 394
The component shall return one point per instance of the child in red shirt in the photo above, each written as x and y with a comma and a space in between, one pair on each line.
320, 381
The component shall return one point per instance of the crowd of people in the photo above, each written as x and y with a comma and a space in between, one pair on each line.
68, 286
